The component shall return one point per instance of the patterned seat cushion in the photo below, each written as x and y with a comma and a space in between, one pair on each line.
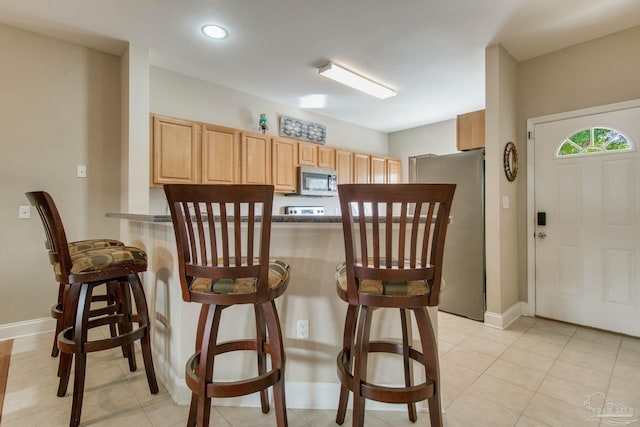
383, 288
91, 260
278, 276
83, 245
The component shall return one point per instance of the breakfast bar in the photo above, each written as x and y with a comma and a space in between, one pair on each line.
313, 246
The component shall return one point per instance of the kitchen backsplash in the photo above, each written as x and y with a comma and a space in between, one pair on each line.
331, 205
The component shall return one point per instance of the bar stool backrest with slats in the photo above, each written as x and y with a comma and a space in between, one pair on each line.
394, 243
223, 235
115, 266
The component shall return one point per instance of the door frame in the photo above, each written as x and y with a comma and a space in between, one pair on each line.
529, 308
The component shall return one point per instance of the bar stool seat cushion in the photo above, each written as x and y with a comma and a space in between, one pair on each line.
278, 276
91, 260
384, 288
83, 245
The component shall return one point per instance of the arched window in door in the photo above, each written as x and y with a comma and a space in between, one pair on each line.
594, 140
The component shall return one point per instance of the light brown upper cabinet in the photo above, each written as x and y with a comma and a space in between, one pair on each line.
470, 130
185, 151
378, 170
256, 158
284, 153
220, 155
344, 166
394, 171
175, 151
307, 154
385, 170
326, 157
361, 168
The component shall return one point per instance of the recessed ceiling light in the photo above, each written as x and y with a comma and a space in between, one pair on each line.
215, 31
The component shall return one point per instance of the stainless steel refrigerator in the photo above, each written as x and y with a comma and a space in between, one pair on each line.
464, 254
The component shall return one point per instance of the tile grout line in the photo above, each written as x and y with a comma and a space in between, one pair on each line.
487, 368
615, 362
547, 375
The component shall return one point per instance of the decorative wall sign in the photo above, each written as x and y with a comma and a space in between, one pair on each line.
302, 130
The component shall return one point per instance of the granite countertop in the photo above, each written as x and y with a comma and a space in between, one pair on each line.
160, 218
281, 219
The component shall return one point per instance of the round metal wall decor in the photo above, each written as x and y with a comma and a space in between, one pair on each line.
510, 159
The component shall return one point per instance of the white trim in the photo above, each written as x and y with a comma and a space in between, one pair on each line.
527, 309
28, 327
502, 321
530, 308
531, 223
171, 380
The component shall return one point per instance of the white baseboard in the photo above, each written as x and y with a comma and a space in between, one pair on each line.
28, 327
502, 321
528, 309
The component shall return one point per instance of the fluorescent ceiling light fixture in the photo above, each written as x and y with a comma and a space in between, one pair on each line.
356, 81
215, 31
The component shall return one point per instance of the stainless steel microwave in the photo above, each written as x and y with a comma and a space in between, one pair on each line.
317, 181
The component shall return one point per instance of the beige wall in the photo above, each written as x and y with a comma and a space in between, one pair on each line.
59, 107
501, 221
134, 112
599, 72
177, 95
435, 138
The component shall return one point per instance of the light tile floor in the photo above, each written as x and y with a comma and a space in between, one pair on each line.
535, 373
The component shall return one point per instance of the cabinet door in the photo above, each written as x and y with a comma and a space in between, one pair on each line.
344, 166
220, 155
378, 170
284, 155
326, 157
394, 171
256, 158
361, 168
307, 154
470, 130
175, 151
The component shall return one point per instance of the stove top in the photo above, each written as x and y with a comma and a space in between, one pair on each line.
304, 210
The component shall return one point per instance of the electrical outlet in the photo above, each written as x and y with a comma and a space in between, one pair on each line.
81, 171
24, 211
302, 329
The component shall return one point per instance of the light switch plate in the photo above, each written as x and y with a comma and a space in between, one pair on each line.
24, 211
505, 202
82, 171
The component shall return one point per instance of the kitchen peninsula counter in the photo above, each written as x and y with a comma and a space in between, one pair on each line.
162, 218
313, 246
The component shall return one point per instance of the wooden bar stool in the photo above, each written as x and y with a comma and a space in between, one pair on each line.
75, 250
223, 261
117, 266
394, 240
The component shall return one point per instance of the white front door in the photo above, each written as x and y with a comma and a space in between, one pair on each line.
588, 253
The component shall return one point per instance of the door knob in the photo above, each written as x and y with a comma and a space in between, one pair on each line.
542, 235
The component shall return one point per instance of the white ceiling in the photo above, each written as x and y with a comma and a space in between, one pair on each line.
430, 51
